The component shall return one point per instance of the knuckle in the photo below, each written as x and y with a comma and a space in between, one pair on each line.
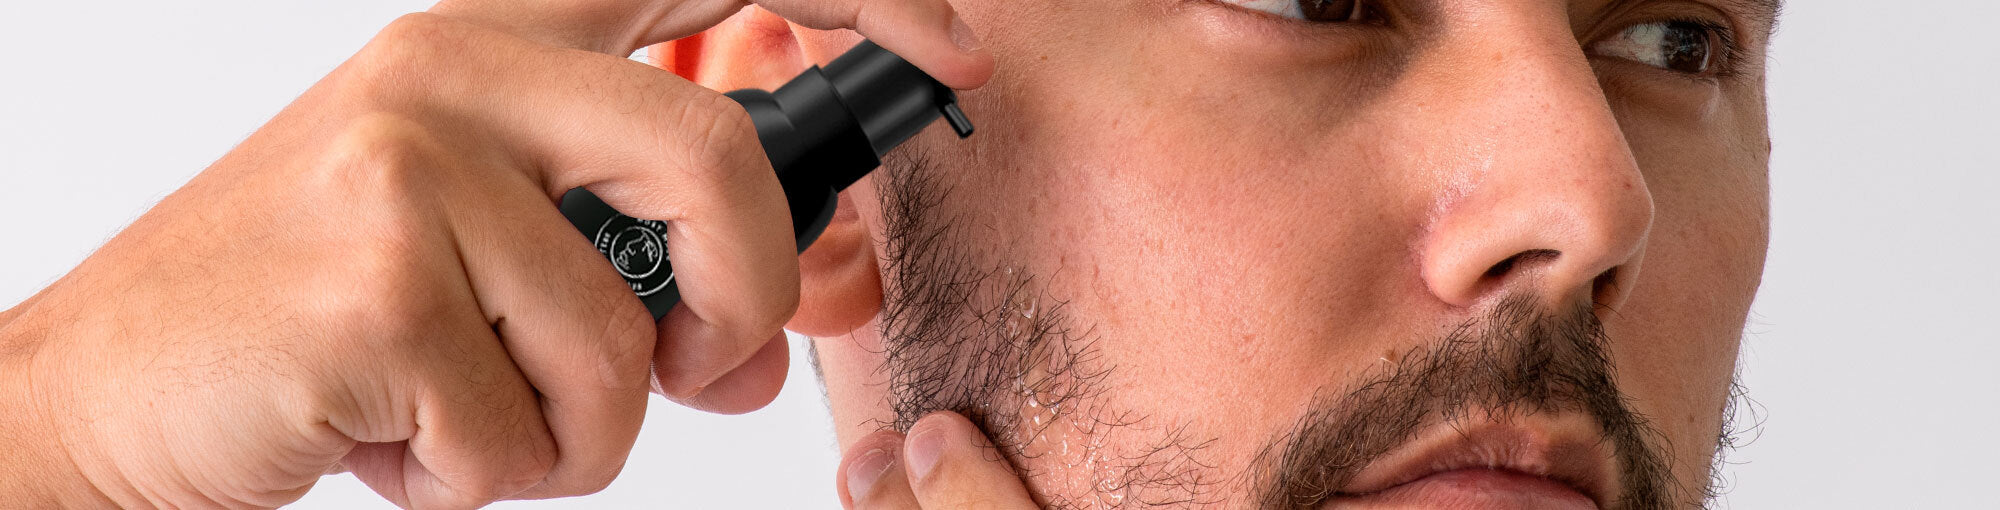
415, 27
372, 176
593, 478
766, 315
779, 308
527, 475
601, 478
499, 487
627, 340
616, 324
477, 494
618, 315
723, 149
630, 329
374, 156
407, 49
507, 473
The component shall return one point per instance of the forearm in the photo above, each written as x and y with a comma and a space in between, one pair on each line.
36, 471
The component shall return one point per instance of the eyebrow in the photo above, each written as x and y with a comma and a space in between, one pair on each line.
1762, 12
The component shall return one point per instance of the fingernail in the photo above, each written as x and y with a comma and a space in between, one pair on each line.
962, 36
923, 453
864, 472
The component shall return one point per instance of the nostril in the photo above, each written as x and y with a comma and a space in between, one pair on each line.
1604, 289
1529, 257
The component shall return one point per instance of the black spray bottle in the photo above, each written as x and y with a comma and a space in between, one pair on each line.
822, 131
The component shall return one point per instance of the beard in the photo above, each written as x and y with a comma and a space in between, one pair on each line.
983, 340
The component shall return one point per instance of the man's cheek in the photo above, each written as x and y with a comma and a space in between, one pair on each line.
1703, 262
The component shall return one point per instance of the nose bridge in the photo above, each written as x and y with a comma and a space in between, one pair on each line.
1538, 189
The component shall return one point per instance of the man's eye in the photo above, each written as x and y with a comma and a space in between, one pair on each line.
1680, 46
1316, 11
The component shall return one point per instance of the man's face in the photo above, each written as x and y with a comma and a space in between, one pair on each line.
1293, 253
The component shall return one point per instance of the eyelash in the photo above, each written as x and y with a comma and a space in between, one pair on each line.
1367, 8
1723, 44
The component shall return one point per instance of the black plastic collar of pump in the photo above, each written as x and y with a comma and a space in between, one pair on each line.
822, 131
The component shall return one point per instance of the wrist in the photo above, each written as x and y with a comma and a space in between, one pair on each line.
40, 472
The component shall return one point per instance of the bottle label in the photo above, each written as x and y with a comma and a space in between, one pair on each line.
638, 249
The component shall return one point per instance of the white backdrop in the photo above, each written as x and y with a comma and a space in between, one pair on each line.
1871, 350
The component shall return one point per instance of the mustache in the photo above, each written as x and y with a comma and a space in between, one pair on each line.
1514, 360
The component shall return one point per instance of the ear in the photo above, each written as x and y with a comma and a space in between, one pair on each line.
841, 284
840, 287
752, 48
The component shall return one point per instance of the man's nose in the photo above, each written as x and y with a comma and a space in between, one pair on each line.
1538, 192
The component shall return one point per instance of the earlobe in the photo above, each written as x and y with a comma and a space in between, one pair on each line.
840, 282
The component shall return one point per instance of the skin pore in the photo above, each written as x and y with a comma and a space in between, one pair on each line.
1017, 367
1201, 253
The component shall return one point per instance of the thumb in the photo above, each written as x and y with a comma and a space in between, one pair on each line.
871, 475
944, 463
950, 464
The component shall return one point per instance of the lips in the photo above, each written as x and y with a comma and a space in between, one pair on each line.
1537, 461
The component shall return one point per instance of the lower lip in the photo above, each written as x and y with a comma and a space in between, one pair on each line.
1474, 488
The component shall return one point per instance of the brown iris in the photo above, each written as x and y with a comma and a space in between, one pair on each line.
1329, 10
1687, 46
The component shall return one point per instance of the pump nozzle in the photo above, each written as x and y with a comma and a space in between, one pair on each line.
822, 131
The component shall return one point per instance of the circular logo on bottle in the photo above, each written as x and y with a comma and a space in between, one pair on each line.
638, 249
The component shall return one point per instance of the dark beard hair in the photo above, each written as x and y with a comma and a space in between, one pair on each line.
1512, 362
983, 342
962, 337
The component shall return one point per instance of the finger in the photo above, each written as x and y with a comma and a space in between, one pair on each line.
615, 27
928, 33
950, 464
871, 475
749, 386
650, 144
455, 424
570, 324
